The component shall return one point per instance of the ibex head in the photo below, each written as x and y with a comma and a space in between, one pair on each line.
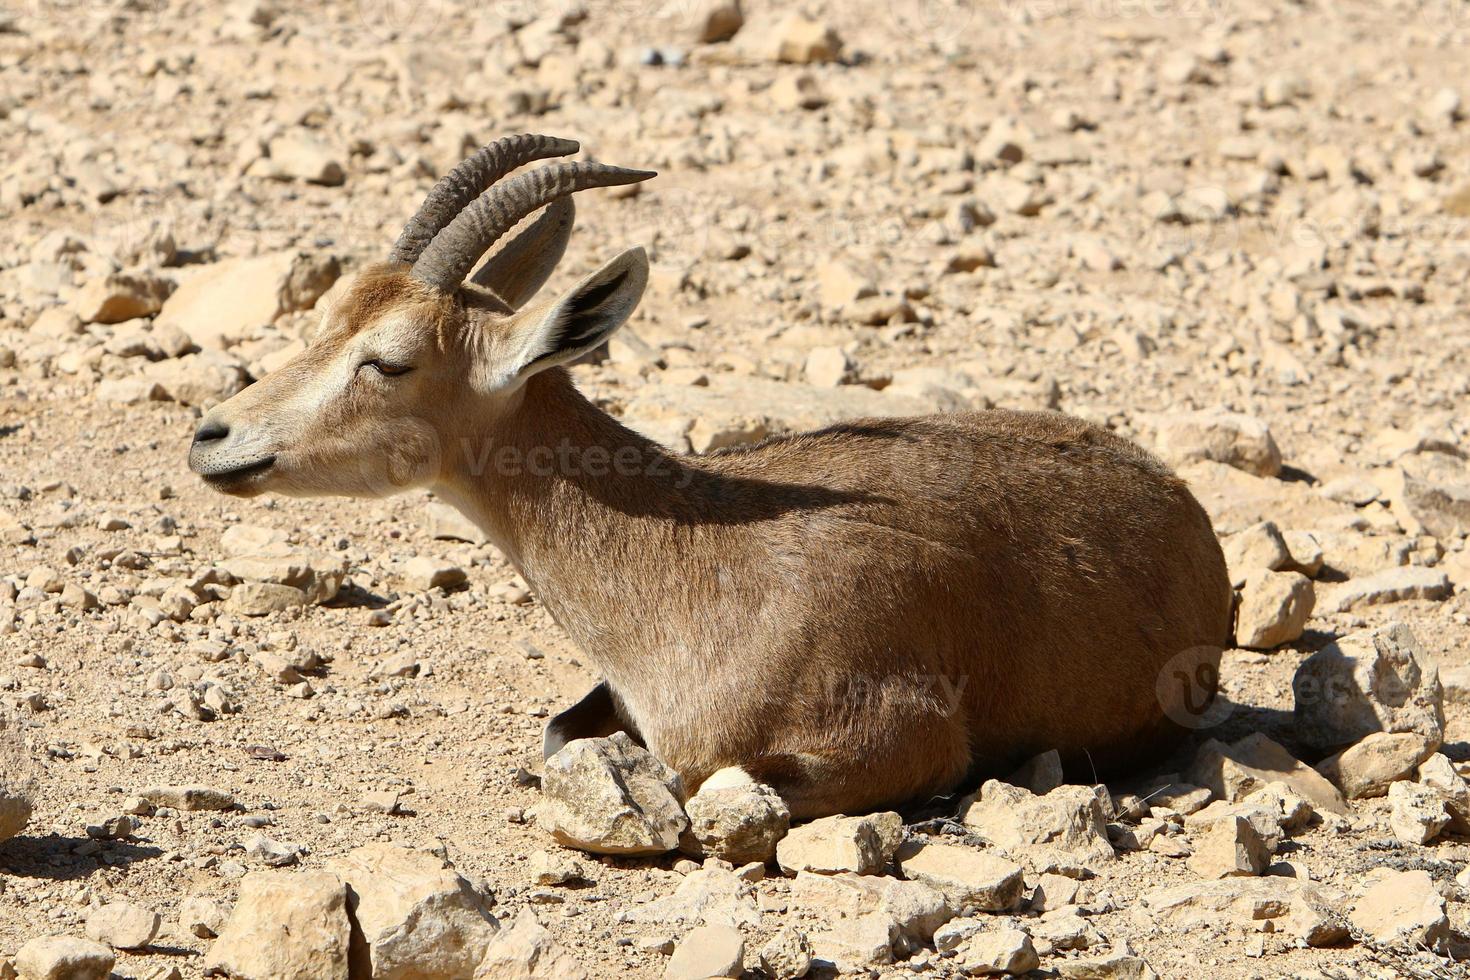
412, 349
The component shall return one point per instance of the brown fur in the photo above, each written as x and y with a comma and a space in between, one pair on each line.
868, 614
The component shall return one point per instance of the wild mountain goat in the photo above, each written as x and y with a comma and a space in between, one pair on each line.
858, 616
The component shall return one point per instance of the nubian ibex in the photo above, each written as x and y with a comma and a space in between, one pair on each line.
860, 616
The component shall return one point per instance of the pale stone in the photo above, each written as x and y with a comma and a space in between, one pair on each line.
916, 909
1274, 609
123, 925
188, 797
1232, 772
1404, 908
712, 895
231, 299
739, 824
830, 845
708, 951
424, 573
416, 916
285, 924
1304, 909
1241, 441
64, 958
120, 297
1064, 830
17, 780
524, 950
1003, 951
788, 956
963, 875
1370, 681
1417, 814
264, 598
1229, 848
611, 796
1388, 586
1366, 768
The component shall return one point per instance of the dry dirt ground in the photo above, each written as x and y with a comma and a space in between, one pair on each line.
1114, 208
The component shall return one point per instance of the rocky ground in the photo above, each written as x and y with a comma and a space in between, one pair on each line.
1238, 231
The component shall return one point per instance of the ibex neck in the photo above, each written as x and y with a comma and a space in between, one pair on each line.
561, 487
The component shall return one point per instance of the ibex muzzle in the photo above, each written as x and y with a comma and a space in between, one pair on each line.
858, 616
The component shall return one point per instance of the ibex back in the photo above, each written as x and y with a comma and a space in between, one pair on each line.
858, 616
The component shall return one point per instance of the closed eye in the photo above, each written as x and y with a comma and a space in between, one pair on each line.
386, 369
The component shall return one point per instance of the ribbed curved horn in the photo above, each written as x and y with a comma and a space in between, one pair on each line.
523, 264
455, 249
456, 189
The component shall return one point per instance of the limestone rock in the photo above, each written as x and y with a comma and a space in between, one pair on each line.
857, 945
1259, 547
716, 20
1404, 908
1264, 817
123, 925
1233, 772
229, 300
1040, 774
1390, 585
1064, 830
416, 916
863, 845
801, 41
64, 958
524, 950
446, 523
1366, 768
708, 951
1306, 909
17, 785
611, 796
1229, 848
424, 573
915, 909
205, 378
1002, 951
316, 577
1274, 609
735, 409
121, 296
709, 896
1417, 813
201, 916
264, 598
739, 824
1439, 774
788, 956
188, 797
301, 155
963, 875
285, 924
1374, 680
1241, 441
1120, 964
1430, 493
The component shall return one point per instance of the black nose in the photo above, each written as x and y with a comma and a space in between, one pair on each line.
211, 431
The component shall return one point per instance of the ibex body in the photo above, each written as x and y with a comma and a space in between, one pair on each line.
858, 616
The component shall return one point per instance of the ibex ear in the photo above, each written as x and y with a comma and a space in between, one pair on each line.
584, 317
